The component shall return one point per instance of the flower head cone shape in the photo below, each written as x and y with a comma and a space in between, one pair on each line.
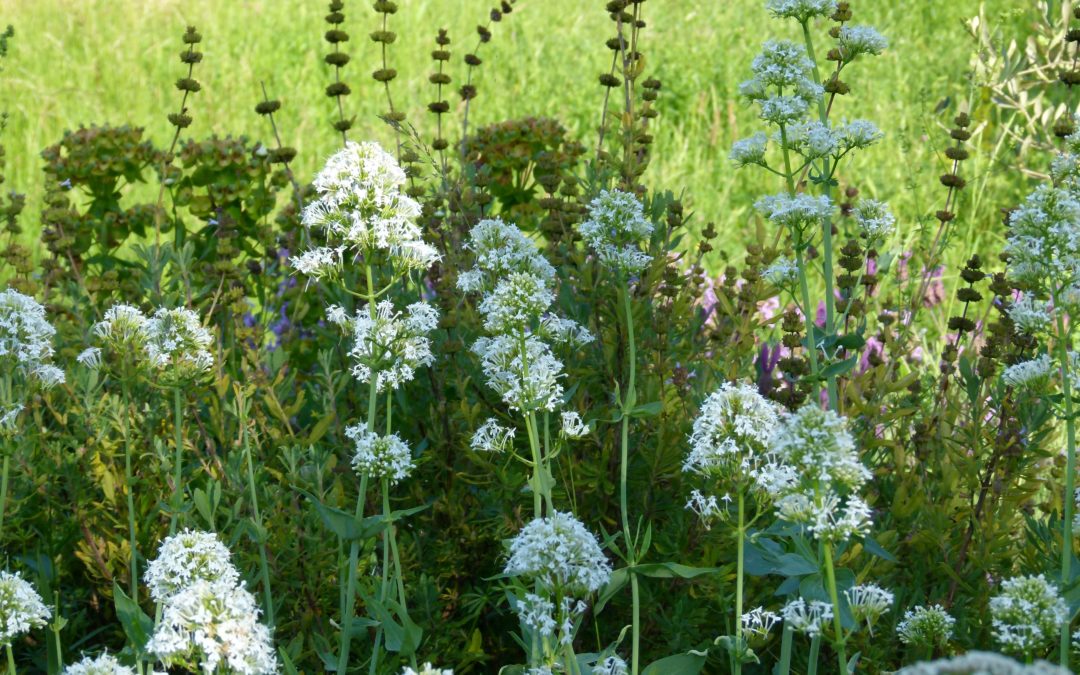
522, 370
1043, 244
213, 627
561, 555
730, 441
21, 608
105, 664
926, 627
817, 445
516, 303
501, 249
616, 229
800, 10
362, 211
389, 344
1027, 615
25, 349
378, 456
782, 83
187, 557
801, 214
118, 340
492, 437
807, 616
427, 669
176, 347
868, 602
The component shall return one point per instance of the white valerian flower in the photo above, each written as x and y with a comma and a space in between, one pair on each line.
564, 331
758, 623
550, 619
176, 346
798, 213
1027, 614
492, 437
8, 417
527, 380
781, 272
875, 220
501, 249
516, 303
825, 514
817, 443
21, 608
730, 440
1034, 374
854, 41
1043, 244
807, 617
926, 626
982, 663
380, 456
104, 664
811, 139
868, 603
389, 344
782, 83
122, 327
360, 208
616, 229
747, 151
858, 134
707, 507
801, 10
26, 340
205, 626
427, 669
187, 557
1030, 315
90, 357
573, 426
612, 665
560, 554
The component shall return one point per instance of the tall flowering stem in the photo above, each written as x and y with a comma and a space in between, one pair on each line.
628, 403
242, 404
1070, 471
177, 501
129, 486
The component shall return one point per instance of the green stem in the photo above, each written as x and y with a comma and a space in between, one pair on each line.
10, 659
815, 651
129, 487
804, 288
264, 568
178, 460
785, 649
4, 485
830, 577
1070, 470
741, 536
629, 400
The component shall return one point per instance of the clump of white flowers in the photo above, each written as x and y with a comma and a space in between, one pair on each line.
1034, 374
616, 229
361, 211
801, 10
524, 372
560, 554
612, 665
208, 619
388, 344
758, 623
549, 619
25, 351
747, 151
380, 456
492, 437
21, 608
1030, 315
814, 139
176, 346
926, 626
516, 303
868, 602
104, 664
875, 221
501, 249
782, 83
808, 617
982, 663
781, 272
1028, 614
854, 41
427, 669
573, 426
817, 445
187, 557
1042, 246
798, 213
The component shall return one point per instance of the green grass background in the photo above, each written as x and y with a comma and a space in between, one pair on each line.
115, 61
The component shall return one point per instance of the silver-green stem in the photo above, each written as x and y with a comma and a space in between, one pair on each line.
830, 578
178, 459
741, 536
129, 488
629, 399
264, 568
1070, 470
10, 659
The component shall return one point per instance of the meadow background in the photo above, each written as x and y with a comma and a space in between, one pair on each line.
114, 61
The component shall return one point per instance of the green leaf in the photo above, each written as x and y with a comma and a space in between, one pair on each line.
615, 584
690, 663
647, 410
671, 570
137, 625
400, 635
345, 525
794, 565
839, 368
874, 548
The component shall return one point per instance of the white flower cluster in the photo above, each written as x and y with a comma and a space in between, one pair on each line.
560, 554
361, 209
1030, 315
176, 345
1034, 375
572, 425
982, 663
868, 602
427, 669
21, 608
875, 220
500, 250
208, 619
758, 623
747, 151
781, 272
798, 213
380, 456
388, 343
492, 437
616, 229
808, 617
548, 619
801, 10
782, 83
105, 664
854, 41
26, 340
1043, 246
516, 303
523, 371
817, 445
612, 665
1028, 614
813, 139
564, 331
925, 627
